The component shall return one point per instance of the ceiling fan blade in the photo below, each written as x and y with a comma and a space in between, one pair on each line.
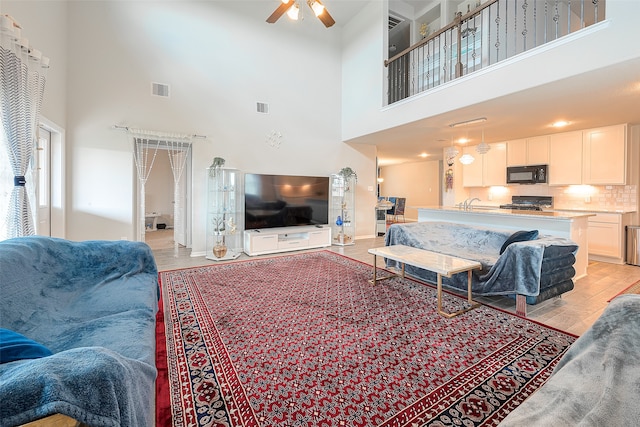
326, 19
280, 10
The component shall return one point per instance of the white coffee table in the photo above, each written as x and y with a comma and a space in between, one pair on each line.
441, 264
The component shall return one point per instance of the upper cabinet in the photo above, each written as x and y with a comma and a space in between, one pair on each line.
565, 158
517, 153
530, 151
472, 173
594, 156
538, 150
495, 165
604, 152
487, 169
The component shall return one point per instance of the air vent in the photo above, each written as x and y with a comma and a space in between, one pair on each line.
393, 21
262, 107
160, 89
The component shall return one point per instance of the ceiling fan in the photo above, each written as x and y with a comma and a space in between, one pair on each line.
292, 9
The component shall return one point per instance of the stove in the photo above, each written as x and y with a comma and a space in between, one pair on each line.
529, 203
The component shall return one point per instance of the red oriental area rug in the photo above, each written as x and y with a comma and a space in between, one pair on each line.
305, 340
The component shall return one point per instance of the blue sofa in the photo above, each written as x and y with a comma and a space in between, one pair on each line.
597, 381
536, 269
92, 306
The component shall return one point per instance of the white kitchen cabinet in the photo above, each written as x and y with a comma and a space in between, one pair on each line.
565, 158
604, 155
495, 165
487, 169
538, 150
530, 151
517, 152
472, 173
606, 237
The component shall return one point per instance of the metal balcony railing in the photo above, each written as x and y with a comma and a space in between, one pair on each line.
496, 30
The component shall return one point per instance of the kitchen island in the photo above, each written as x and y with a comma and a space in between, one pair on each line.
571, 225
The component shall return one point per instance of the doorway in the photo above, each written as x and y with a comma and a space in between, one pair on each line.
164, 225
50, 180
43, 182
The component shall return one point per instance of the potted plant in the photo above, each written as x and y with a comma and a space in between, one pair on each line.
218, 162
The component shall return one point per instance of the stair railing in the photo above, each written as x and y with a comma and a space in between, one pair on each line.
494, 31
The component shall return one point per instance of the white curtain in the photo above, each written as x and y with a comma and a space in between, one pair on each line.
146, 146
22, 81
178, 153
144, 154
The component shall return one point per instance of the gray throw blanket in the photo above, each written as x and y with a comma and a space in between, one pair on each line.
93, 304
517, 271
597, 382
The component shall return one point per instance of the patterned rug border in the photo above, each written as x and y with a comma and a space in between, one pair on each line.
626, 290
162, 384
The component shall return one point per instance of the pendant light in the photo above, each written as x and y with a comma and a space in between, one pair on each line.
451, 153
466, 159
483, 148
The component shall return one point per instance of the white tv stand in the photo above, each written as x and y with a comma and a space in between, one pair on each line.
273, 240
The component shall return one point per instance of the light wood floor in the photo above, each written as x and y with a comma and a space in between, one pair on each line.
574, 312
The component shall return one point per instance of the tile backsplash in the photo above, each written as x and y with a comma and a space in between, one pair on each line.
596, 197
607, 197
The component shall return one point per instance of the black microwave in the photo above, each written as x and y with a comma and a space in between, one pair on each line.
527, 174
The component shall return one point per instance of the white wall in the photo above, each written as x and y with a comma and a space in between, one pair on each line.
219, 59
364, 111
418, 182
363, 88
44, 23
159, 189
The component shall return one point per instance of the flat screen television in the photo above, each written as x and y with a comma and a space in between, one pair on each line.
285, 200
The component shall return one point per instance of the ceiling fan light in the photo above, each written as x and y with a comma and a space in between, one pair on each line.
466, 159
317, 7
294, 11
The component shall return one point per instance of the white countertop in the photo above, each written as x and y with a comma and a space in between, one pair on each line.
614, 211
489, 210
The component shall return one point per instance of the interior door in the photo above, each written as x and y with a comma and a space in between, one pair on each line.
180, 231
43, 183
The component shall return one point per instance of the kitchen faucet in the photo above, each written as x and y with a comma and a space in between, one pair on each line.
471, 201
466, 205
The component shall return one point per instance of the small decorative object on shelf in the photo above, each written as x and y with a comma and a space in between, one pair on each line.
220, 249
343, 201
218, 162
225, 212
347, 172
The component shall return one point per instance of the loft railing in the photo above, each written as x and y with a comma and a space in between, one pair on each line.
494, 31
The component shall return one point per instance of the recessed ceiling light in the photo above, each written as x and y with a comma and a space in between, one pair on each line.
463, 140
560, 124
423, 155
